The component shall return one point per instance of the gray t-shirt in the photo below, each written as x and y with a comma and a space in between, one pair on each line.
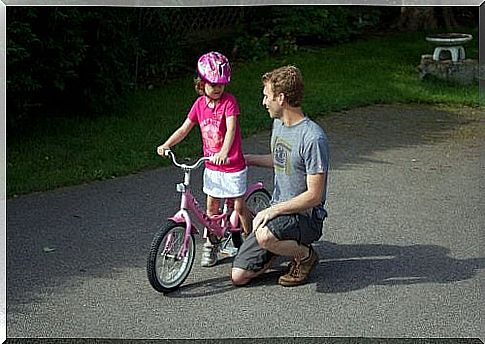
298, 150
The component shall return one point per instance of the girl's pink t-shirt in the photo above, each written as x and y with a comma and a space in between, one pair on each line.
212, 123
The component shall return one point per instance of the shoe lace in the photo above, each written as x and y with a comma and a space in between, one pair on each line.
295, 269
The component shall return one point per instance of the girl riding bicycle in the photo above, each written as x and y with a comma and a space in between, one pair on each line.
216, 111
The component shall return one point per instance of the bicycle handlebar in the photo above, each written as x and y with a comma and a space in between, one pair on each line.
185, 166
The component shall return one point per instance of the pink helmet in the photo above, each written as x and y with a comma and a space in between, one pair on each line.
214, 67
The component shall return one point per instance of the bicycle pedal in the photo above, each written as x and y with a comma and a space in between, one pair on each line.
228, 252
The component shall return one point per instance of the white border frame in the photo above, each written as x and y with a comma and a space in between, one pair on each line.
175, 3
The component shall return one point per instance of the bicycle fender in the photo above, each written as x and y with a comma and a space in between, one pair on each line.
253, 187
183, 217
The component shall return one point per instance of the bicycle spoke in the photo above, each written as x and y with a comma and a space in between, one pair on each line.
169, 267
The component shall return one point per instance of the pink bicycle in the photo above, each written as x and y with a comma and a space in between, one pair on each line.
172, 250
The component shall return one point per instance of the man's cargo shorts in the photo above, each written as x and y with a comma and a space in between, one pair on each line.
302, 228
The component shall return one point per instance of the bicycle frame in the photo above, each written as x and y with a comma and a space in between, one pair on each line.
216, 224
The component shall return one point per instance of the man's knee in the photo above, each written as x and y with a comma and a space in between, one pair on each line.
265, 238
240, 276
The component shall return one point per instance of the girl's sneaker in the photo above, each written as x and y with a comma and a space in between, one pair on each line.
209, 255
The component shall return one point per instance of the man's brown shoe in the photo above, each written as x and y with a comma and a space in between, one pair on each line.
299, 271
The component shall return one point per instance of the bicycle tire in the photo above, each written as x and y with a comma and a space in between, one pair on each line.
256, 201
165, 271
237, 239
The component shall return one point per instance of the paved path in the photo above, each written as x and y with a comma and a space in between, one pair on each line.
400, 256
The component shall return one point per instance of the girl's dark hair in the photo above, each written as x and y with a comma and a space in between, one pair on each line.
199, 86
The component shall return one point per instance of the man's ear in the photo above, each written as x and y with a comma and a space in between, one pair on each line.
281, 98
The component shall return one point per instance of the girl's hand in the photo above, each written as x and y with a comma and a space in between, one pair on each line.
219, 159
162, 151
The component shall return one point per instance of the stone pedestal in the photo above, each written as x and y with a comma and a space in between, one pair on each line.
462, 71
457, 53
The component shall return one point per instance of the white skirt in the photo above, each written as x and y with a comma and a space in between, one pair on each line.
224, 184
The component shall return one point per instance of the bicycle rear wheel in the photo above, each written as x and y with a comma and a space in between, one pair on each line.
255, 201
258, 200
165, 270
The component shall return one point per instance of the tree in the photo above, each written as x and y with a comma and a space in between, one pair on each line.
432, 18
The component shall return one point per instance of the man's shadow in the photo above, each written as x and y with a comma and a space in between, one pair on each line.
344, 268
347, 267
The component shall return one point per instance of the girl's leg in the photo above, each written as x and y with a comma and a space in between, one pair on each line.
209, 251
244, 215
213, 206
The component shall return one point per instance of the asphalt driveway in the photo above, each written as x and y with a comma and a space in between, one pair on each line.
400, 256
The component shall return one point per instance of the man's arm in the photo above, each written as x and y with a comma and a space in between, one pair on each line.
306, 200
259, 160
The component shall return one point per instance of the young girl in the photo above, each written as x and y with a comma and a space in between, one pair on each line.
216, 113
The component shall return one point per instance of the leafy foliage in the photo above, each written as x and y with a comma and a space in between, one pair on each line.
86, 61
294, 26
82, 58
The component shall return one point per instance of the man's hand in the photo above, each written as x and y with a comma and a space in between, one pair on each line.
249, 159
263, 217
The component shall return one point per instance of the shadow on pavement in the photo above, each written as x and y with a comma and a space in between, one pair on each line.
218, 285
344, 268
203, 288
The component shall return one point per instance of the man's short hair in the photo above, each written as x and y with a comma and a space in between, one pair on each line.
287, 80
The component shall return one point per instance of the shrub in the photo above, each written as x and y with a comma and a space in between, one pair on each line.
295, 26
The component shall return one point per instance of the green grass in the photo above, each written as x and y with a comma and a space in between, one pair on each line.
64, 152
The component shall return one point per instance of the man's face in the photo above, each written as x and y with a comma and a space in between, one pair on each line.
270, 102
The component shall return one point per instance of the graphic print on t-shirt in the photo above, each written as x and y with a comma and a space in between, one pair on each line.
281, 156
211, 134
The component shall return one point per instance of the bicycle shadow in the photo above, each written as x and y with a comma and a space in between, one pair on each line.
204, 288
219, 285
222, 284
344, 268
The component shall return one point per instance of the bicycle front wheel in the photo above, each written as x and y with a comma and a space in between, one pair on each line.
165, 269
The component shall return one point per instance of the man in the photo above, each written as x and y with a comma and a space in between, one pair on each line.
299, 158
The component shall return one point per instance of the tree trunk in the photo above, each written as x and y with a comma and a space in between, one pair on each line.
449, 18
417, 18
427, 18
